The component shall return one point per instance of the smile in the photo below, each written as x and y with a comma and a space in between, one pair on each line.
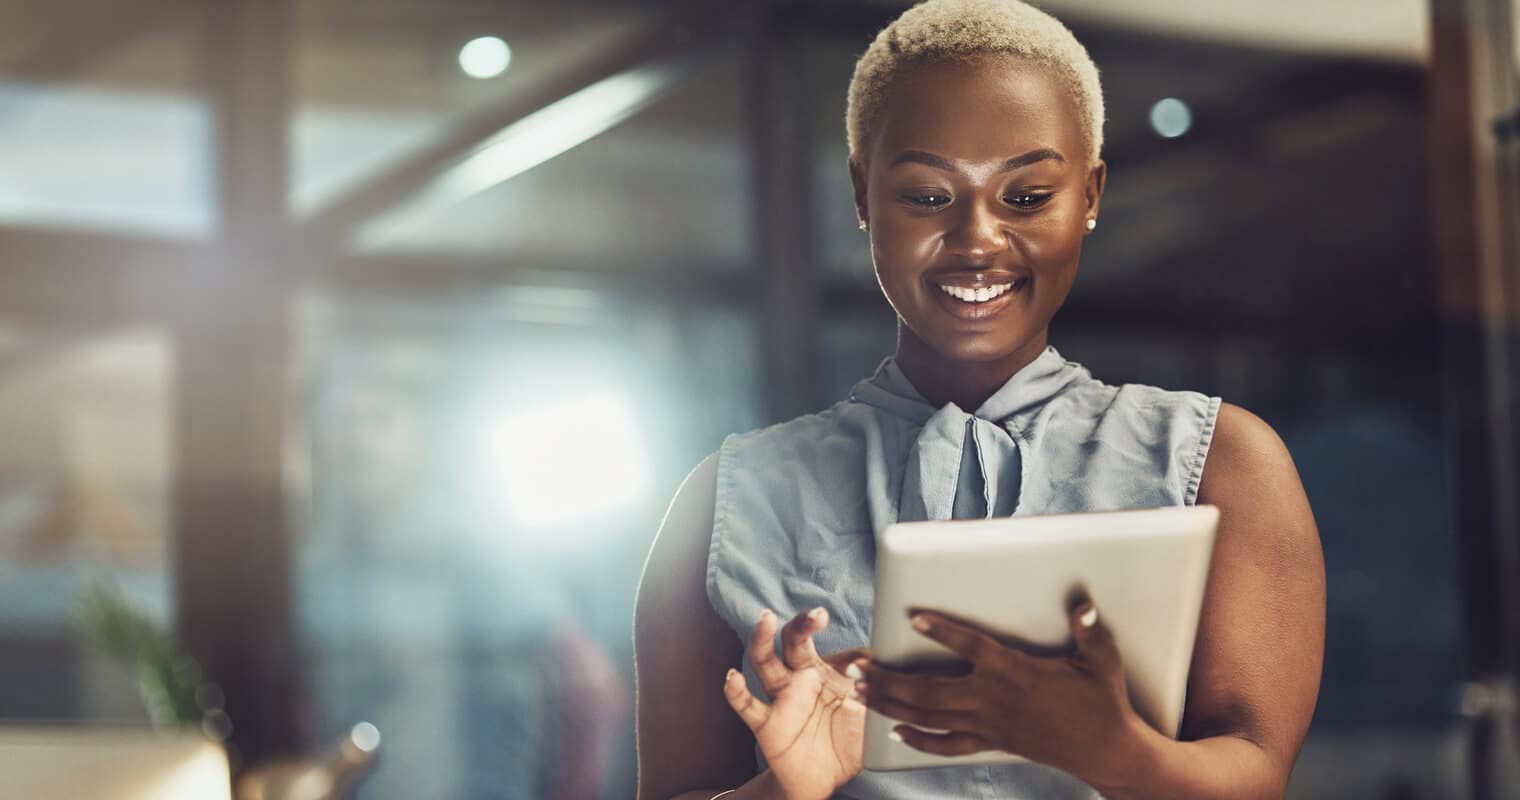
967, 294
976, 297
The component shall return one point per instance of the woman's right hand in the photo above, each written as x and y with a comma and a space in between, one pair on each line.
813, 730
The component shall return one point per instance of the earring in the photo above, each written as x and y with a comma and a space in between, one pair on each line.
863, 225
1092, 224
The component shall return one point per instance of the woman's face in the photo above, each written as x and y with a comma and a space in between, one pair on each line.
977, 190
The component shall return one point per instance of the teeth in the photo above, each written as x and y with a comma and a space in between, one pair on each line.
982, 295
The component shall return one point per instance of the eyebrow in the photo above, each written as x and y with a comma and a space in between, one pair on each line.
939, 162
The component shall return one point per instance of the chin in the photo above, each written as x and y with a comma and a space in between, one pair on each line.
976, 349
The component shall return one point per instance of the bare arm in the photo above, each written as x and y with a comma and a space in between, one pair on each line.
697, 734
690, 744
1256, 667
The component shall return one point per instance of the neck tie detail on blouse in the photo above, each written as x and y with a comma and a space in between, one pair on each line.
964, 466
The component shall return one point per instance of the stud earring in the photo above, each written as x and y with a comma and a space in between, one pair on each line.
863, 225
1092, 224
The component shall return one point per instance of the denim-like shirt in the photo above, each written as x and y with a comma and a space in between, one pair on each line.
799, 505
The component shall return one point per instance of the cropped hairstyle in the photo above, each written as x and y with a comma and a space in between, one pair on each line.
957, 30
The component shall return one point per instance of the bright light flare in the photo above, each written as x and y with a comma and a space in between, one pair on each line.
571, 461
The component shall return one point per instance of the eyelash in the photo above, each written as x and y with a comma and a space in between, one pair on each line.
927, 200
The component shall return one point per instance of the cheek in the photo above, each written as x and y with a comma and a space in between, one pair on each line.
1051, 250
902, 252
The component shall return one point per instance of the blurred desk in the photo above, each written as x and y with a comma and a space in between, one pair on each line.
70, 763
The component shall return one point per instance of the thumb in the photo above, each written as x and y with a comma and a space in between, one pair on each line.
746, 705
1095, 642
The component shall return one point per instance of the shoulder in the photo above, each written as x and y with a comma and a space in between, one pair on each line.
1168, 423
673, 581
1250, 476
1245, 452
688, 522
812, 444
1135, 404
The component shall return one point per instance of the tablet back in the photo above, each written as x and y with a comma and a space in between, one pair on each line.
1144, 570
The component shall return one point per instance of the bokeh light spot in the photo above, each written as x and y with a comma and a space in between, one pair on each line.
485, 57
1171, 117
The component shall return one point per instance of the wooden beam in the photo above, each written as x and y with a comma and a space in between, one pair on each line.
781, 160
1474, 213
331, 230
234, 593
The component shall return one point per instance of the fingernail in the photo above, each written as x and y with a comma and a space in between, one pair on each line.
920, 623
767, 613
894, 735
816, 614
853, 672
1089, 617
728, 676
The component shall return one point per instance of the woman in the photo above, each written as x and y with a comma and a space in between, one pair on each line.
975, 128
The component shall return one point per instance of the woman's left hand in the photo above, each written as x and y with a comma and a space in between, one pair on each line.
1070, 711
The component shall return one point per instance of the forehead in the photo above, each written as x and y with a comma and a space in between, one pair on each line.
982, 109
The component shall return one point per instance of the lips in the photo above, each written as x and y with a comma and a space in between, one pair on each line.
973, 278
982, 294
977, 294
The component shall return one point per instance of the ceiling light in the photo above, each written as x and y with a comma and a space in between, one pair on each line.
485, 57
1171, 117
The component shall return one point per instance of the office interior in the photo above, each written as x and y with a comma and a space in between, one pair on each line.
350, 352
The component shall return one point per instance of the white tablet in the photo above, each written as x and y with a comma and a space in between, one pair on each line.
1144, 570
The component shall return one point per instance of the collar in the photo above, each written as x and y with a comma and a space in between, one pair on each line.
1024, 392
965, 465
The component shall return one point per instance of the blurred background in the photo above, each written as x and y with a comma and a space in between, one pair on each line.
359, 345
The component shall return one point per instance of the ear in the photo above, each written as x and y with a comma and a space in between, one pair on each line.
858, 180
1093, 192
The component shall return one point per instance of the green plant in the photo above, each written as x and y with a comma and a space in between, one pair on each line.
173, 685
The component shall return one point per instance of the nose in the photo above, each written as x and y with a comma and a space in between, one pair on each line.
978, 233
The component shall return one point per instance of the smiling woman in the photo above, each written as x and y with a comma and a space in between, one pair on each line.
950, 210
975, 132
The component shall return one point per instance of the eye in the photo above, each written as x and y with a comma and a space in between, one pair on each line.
927, 199
1026, 200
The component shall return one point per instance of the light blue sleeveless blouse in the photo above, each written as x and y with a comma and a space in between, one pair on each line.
798, 506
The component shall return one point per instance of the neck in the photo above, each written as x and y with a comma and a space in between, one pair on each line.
967, 384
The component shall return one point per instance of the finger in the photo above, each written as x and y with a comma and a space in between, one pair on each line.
925, 691
762, 653
968, 642
1094, 641
941, 744
797, 638
847, 666
841, 660
746, 705
915, 715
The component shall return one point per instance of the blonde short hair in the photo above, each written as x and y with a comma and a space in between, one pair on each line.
951, 30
